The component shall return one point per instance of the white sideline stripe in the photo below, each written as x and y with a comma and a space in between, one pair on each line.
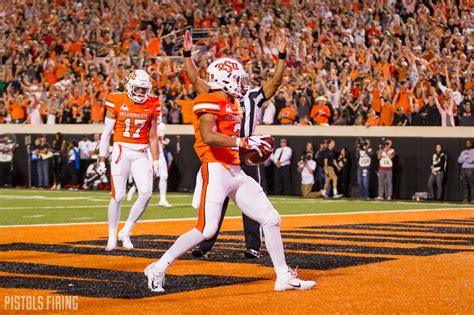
105, 206
277, 202
240, 217
206, 106
78, 207
34, 216
36, 197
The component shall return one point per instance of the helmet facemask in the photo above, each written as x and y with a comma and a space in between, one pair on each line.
138, 86
138, 94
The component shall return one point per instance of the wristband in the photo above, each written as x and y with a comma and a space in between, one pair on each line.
282, 55
237, 142
186, 53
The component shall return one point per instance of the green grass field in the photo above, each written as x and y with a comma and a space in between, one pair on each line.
21, 206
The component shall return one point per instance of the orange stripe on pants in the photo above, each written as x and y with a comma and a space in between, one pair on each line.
202, 205
112, 185
120, 154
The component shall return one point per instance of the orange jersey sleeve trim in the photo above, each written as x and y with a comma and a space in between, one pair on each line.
110, 102
207, 103
206, 108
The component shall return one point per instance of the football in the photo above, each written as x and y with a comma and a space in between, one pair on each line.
251, 157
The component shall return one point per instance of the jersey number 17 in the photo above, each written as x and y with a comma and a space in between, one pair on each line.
129, 122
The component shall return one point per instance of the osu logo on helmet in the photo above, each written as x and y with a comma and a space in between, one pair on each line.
228, 66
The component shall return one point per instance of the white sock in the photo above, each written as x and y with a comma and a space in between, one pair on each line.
274, 246
334, 191
163, 186
137, 210
114, 216
184, 243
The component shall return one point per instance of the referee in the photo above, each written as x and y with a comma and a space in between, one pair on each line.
251, 106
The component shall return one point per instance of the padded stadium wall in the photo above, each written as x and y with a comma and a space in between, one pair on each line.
414, 147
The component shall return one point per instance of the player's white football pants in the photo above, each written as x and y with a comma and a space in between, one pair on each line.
215, 182
125, 160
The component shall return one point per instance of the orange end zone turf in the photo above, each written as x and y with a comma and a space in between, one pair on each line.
411, 262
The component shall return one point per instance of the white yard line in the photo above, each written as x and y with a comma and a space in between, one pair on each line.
34, 216
239, 217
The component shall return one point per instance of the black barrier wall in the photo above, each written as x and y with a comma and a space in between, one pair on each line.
411, 171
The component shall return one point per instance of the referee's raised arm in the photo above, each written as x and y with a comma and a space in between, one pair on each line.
199, 84
271, 85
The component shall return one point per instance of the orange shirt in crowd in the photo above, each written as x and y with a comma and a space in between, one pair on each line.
402, 74
373, 121
79, 100
186, 110
154, 46
404, 101
61, 70
320, 118
49, 76
386, 116
376, 104
97, 112
18, 111
288, 115
75, 47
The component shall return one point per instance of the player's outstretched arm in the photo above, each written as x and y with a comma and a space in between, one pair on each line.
271, 85
199, 84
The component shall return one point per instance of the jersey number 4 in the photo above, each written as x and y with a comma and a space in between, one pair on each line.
135, 122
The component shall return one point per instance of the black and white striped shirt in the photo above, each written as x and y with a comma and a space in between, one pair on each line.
251, 106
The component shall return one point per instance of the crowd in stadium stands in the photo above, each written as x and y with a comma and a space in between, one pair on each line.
372, 63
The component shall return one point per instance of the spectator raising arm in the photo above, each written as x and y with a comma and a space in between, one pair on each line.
271, 85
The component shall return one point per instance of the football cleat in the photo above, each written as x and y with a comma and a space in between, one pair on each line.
252, 253
291, 282
156, 279
111, 244
125, 239
338, 196
198, 252
164, 203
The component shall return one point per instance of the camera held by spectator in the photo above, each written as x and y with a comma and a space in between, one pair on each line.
307, 166
361, 144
